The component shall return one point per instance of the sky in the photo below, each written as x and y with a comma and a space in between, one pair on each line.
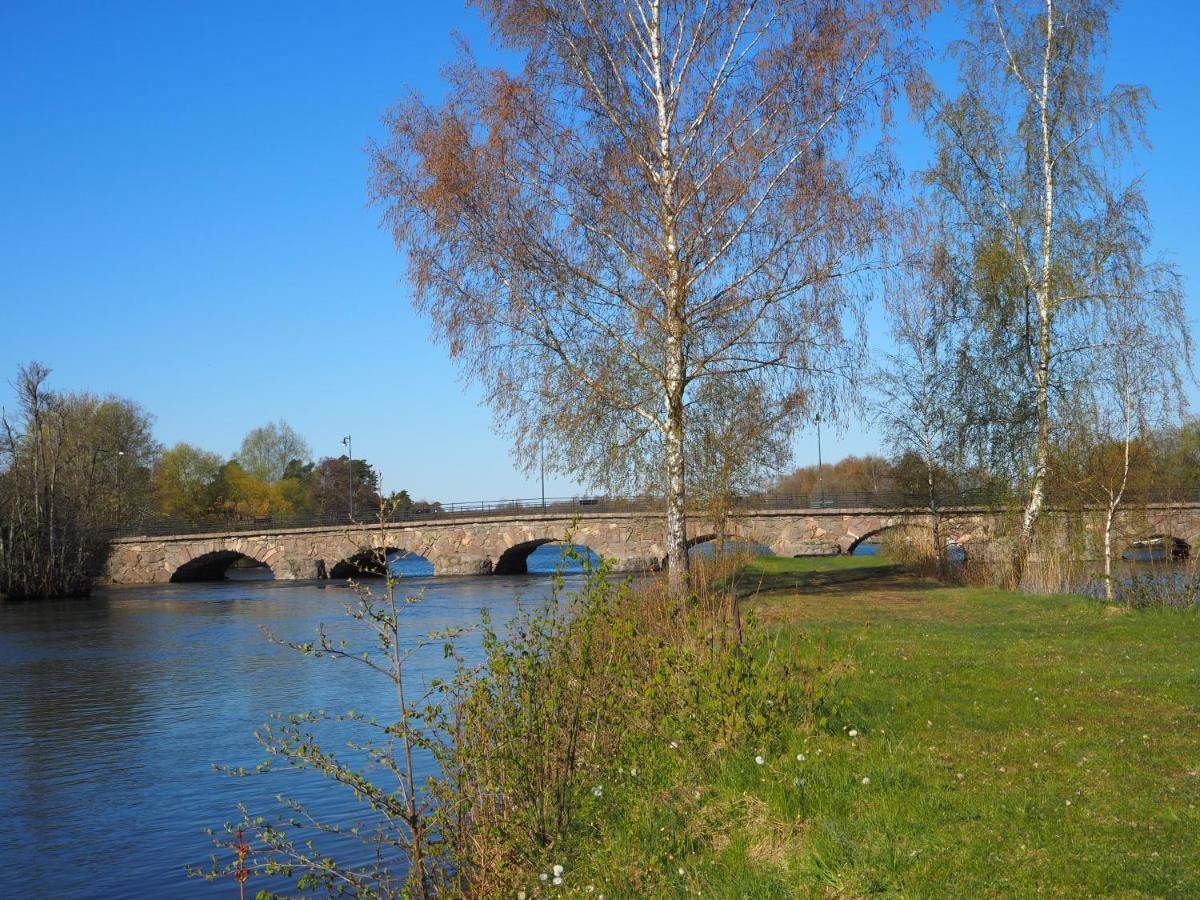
184, 220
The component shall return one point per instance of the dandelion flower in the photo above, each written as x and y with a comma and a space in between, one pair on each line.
759, 760
866, 780
558, 870
520, 895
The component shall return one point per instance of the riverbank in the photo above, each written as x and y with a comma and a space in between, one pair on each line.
970, 742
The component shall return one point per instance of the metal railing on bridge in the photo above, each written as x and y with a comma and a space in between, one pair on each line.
558, 506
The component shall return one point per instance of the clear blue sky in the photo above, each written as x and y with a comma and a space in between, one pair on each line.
183, 220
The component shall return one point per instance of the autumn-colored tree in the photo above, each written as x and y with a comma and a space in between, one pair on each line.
664, 194
869, 474
238, 494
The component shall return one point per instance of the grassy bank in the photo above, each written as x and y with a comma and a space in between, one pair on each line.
976, 742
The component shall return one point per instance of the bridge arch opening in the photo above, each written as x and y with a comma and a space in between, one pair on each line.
545, 556
904, 542
1157, 548
223, 565
375, 562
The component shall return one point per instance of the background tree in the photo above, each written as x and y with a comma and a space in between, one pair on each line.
918, 410
239, 495
332, 480
183, 482
1135, 391
738, 439
665, 194
1037, 225
862, 475
266, 452
72, 468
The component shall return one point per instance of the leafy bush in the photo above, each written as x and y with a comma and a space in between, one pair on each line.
588, 714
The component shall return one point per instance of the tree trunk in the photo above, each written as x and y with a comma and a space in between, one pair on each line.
935, 520
1108, 587
674, 320
677, 549
1037, 489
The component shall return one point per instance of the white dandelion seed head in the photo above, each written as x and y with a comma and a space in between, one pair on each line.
633, 771
520, 895
681, 870
558, 870
674, 745
558, 879
544, 877
866, 780
800, 757
598, 790
590, 888
759, 760
853, 732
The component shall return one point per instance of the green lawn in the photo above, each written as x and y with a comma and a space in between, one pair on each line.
1006, 746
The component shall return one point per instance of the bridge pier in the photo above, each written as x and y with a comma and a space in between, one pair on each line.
460, 564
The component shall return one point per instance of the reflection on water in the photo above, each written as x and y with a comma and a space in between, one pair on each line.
113, 710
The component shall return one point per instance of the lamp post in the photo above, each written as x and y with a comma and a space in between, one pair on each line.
820, 467
542, 454
350, 466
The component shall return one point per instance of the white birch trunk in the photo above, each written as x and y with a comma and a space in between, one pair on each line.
676, 374
1037, 487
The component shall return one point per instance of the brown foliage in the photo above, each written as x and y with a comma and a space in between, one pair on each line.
662, 195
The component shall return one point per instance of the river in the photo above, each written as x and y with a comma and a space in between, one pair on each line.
114, 709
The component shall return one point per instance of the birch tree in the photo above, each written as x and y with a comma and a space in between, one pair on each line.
663, 194
1028, 159
1134, 393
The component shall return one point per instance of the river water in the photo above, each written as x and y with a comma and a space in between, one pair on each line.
114, 709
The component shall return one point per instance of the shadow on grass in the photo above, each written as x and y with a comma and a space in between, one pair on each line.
827, 581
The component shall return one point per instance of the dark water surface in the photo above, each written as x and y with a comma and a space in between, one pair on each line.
113, 710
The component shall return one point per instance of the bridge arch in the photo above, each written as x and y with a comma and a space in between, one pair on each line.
515, 560
1157, 548
214, 565
894, 527
372, 562
735, 541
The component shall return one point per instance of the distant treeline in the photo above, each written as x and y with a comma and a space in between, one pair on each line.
75, 468
1165, 464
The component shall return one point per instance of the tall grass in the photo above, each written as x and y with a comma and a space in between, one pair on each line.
592, 694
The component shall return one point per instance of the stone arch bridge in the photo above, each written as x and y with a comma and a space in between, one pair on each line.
499, 543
